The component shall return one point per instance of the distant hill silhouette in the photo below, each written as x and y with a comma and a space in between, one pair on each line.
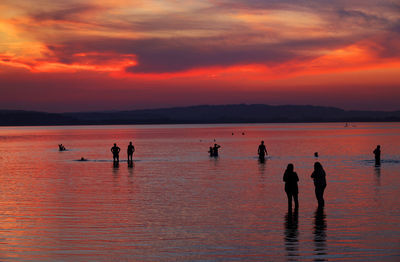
33, 118
242, 113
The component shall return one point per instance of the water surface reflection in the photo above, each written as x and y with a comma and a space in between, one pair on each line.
292, 235
320, 250
176, 203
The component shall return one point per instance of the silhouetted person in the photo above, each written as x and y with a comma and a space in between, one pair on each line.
316, 154
319, 177
262, 151
211, 151
61, 147
215, 150
377, 153
115, 151
290, 177
130, 151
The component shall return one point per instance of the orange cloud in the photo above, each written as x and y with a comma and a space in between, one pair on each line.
243, 49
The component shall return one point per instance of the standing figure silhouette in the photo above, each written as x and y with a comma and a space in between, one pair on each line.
211, 151
377, 153
115, 151
215, 150
262, 151
130, 151
320, 183
290, 177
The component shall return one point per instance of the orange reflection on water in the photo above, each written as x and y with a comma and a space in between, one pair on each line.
177, 203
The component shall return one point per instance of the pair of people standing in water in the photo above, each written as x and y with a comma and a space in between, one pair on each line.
290, 178
213, 151
115, 151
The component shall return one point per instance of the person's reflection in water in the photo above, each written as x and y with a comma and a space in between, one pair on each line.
377, 172
130, 173
291, 235
261, 167
320, 226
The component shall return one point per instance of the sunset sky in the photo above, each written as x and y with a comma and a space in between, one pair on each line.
90, 55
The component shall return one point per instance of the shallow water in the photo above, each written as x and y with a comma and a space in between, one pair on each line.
176, 203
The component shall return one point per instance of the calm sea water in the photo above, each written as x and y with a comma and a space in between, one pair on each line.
177, 203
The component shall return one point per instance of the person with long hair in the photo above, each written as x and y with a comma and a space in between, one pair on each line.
290, 177
319, 178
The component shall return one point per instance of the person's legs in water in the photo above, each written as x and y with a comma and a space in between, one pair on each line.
289, 197
261, 157
296, 201
319, 193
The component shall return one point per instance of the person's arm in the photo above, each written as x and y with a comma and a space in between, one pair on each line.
133, 149
266, 150
297, 177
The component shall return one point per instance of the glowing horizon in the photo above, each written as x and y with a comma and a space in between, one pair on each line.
91, 55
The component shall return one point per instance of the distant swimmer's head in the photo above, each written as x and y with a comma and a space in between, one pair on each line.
262, 142
290, 167
379, 146
115, 144
130, 143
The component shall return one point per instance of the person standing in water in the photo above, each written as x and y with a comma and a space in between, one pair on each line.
290, 177
319, 177
130, 151
377, 153
262, 151
215, 150
115, 151
211, 151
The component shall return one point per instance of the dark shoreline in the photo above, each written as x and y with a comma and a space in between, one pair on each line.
224, 114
